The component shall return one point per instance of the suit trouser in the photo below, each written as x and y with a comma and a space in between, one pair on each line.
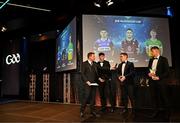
158, 90
113, 88
127, 90
107, 91
112, 93
88, 97
104, 93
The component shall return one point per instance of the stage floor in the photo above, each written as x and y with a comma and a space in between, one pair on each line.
25, 111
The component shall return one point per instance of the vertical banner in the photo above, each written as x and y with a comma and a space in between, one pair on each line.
11, 68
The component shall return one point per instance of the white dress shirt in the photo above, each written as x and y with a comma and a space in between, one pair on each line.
154, 64
123, 68
90, 62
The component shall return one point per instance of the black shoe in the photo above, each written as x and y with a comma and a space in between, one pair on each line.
81, 114
131, 113
103, 109
112, 110
95, 114
154, 114
124, 111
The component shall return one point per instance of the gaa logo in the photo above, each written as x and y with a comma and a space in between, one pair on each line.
12, 59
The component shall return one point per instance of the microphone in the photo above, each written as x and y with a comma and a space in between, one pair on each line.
116, 65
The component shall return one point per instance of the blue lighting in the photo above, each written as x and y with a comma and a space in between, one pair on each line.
169, 11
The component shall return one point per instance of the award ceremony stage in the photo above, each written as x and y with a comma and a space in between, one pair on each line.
26, 111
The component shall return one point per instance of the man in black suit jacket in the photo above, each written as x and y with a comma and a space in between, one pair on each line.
125, 72
89, 76
104, 77
158, 73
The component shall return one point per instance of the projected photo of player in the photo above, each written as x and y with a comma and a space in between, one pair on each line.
70, 51
105, 45
130, 45
153, 41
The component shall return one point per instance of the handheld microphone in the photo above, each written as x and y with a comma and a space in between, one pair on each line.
116, 65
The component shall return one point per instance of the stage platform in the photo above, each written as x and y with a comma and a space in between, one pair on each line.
26, 111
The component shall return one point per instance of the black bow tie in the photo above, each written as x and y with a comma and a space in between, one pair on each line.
155, 58
123, 62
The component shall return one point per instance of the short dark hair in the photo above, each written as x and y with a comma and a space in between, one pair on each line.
101, 54
154, 48
129, 29
89, 54
124, 54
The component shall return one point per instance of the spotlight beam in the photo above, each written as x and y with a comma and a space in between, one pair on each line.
4, 3
28, 7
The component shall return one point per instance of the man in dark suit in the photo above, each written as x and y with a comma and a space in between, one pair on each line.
158, 73
89, 77
104, 77
125, 72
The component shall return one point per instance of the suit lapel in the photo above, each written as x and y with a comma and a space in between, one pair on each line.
88, 65
150, 63
95, 68
120, 68
126, 66
159, 61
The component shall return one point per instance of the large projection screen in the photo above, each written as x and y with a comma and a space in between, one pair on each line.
134, 35
66, 48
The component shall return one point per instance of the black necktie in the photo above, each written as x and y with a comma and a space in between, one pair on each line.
155, 58
123, 62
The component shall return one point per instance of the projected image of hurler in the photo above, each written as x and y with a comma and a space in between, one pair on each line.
130, 45
153, 41
105, 45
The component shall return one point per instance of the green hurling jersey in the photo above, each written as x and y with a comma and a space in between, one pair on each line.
151, 43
